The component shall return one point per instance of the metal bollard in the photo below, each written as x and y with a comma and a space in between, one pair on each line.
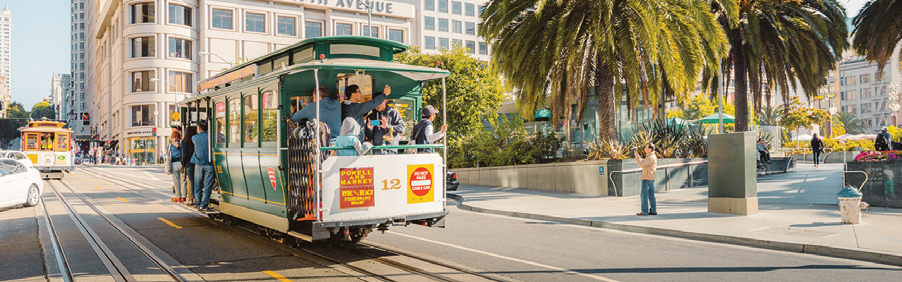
850, 205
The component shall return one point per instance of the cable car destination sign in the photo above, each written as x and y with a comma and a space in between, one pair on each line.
356, 185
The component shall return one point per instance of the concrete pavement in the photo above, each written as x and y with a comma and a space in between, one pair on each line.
797, 212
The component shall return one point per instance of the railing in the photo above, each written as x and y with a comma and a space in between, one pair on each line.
666, 174
387, 147
856, 171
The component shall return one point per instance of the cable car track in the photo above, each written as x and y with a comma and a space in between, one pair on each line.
279, 238
116, 268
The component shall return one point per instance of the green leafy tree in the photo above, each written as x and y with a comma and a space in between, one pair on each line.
801, 116
675, 114
769, 116
780, 43
878, 29
16, 110
556, 52
699, 108
9, 130
41, 110
851, 124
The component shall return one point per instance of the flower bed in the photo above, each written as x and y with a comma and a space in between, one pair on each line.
878, 156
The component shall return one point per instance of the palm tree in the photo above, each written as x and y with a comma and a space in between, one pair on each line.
850, 123
779, 43
557, 51
878, 29
769, 116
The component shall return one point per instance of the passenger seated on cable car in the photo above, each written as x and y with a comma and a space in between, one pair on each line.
350, 132
330, 111
353, 108
422, 132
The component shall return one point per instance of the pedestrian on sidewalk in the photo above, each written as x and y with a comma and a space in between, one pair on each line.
174, 162
817, 147
648, 164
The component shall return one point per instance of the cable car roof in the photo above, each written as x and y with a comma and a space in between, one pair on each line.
412, 72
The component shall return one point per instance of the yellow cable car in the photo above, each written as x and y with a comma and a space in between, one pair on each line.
49, 147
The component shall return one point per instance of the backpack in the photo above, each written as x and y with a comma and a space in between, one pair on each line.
881, 143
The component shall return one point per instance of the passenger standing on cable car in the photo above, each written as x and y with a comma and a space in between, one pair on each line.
330, 112
176, 165
187, 152
384, 126
353, 108
203, 170
46, 143
423, 131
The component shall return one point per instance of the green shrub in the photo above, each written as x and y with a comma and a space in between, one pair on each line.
671, 141
507, 143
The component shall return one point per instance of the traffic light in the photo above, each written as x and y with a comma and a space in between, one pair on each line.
85, 116
154, 132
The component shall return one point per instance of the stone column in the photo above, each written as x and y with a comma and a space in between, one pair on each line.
732, 174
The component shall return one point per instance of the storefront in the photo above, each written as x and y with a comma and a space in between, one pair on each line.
141, 145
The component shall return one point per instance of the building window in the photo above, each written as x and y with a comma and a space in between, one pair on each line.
254, 22
222, 19
429, 5
456, 43
471, 45
287, 26
470, 10
471, 28
444, 43
850, 80
429, 22
368, 31
179, 14
852, 94
430, 43
443, 6
179, 48
443, 25
180, 81
865, 93
865, 78
270, 117
141, 81
456, 7
313, 29
343, 29
457, 26
143, 115
483, 48
142, 13
143, 47
396, 35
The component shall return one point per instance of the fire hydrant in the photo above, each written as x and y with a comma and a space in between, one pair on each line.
850, 205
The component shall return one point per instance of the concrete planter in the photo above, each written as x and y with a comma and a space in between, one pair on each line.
589, 177
666, 179
882, 189
833, 158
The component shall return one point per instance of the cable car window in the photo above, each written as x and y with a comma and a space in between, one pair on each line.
62, 141
280, 62
302, 56
234, 123
47, 141
270, 116
251, 130
408, 114
364, 81
220, 121
31, 141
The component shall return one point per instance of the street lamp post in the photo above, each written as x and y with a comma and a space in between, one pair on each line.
202, 53
369, 16
894, 98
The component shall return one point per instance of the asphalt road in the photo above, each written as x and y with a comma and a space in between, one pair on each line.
510, 248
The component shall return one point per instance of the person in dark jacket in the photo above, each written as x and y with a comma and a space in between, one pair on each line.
817, 147
384, 126
353, 108
884, 141
187, 151
423, 131
330, 112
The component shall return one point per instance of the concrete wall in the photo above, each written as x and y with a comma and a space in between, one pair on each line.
572, 177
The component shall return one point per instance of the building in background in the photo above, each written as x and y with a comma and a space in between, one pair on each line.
862, 90
59, 86
78, 108
146, 55
6, 25
5, 100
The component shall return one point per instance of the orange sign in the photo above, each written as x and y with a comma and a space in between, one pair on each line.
356, 186
229, 77
272, 177
421, 184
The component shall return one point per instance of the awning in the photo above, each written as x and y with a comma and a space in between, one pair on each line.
715, 118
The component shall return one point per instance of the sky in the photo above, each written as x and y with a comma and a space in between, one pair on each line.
40, 45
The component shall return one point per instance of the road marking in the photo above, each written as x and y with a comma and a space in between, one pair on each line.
98, 187
124, 200
84, 180
170, 223
277, 276
151, 176
596, 277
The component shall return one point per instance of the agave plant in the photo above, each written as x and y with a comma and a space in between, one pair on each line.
608, 149
671, 141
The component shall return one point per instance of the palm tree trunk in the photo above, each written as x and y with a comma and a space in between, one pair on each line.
740, 96
604, 87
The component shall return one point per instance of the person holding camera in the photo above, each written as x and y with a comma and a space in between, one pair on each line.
384, 127
648, 164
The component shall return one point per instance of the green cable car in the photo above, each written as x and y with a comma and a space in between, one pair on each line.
285, 177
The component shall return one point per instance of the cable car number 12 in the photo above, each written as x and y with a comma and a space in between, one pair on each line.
395, 184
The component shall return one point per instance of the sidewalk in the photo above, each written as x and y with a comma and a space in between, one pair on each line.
797, 212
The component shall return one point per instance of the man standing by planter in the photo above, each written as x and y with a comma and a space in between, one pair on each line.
648, 164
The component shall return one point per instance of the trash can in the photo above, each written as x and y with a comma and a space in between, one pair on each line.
850, 205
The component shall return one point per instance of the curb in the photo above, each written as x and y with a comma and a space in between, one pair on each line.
884, 258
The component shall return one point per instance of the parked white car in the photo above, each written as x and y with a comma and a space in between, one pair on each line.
18, 156
19, 184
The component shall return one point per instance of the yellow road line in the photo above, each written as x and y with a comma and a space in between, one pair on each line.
124, 200
170, 223
98, 187
84, 180
277, 276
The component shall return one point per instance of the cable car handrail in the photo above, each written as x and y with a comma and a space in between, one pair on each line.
387, 147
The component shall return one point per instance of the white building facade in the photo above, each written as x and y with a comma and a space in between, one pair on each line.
862, 90
59, 85
6, 25
146, 55
78, 108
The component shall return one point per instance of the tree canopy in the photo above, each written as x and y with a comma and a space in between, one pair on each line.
16, 110
41, 110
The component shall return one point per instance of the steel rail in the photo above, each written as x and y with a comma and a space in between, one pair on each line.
656, 168
61, 260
